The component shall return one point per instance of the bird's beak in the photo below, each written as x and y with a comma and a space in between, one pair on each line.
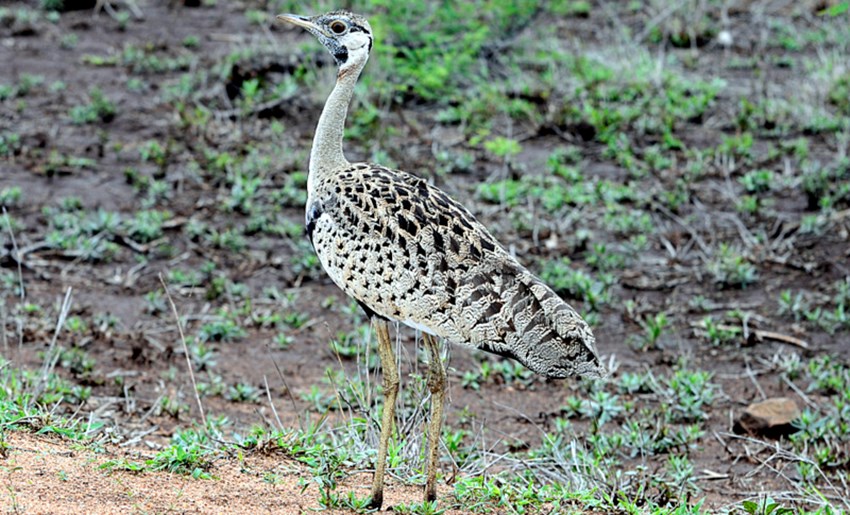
301, 21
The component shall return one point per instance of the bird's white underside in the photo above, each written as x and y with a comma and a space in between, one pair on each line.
418, 326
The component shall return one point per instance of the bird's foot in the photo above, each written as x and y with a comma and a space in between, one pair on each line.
430, 494
376, 501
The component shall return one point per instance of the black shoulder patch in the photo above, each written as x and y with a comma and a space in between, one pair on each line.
313, 214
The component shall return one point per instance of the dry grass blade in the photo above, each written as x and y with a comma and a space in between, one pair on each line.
18, 257
51, 357
106, 5
185, 349
271, 403
3, 329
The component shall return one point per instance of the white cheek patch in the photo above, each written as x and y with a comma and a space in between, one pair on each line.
354, 41
357, 44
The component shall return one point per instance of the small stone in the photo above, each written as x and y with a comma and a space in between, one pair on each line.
772, 418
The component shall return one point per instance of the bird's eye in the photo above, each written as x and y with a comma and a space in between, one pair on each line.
338, 27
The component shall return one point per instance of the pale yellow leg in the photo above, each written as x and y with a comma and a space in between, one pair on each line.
437, 386
391, 382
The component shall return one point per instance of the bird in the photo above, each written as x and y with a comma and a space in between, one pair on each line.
409, 253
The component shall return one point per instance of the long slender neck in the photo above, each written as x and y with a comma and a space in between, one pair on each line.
327, 154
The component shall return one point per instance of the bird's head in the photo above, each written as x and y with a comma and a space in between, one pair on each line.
347, 36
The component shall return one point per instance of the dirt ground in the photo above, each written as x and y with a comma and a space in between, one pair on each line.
42, 475
138, 340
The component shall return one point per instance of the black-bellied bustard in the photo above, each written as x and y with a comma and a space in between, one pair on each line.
407, 252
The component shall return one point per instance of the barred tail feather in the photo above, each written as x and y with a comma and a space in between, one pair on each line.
518, 316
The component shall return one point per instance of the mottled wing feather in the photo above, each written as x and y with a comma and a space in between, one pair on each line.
407, 251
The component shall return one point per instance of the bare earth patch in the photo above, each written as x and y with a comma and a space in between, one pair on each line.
41, 474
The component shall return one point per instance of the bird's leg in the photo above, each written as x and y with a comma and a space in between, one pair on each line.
437, 386
390, 382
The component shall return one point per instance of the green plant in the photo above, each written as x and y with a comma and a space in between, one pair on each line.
191, 41
256, 17
77, 361
144, 59
839, 93
503, 148
679, 476
601, 407
718, 334
203, 356
653, 329
736, 146
10, 143
691, 392
757, 181
319, 401
223, 329
154, 152
765, 506
731, 269
561, 276
69, 42
26, 83
577, 8
250, 91
243, 193
186, 455
10, 196
99, 108
434, 50
146, 226
562, 161
241, 392
52, 5
601, 258
419, 508
793, 305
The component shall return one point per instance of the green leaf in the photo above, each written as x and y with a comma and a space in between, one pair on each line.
836, 10
750, 507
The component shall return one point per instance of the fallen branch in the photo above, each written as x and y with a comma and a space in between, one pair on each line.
779, 337
759, 334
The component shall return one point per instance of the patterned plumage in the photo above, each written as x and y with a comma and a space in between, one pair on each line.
408, 252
